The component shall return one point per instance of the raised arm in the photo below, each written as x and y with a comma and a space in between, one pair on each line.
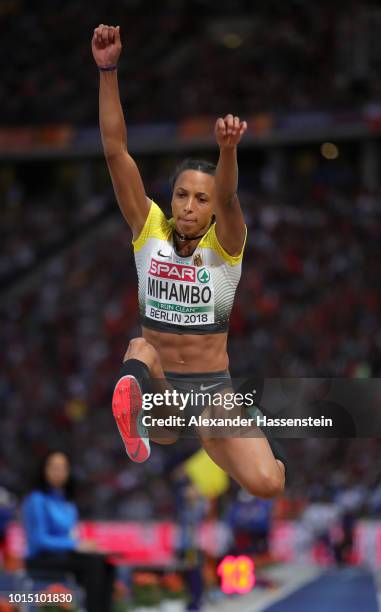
230, 225
128, 185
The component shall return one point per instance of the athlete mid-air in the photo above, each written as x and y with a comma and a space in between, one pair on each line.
188, 270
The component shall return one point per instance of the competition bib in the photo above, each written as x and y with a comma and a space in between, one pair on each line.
179, 294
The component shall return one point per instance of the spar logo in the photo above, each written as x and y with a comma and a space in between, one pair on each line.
173, 271
203, 275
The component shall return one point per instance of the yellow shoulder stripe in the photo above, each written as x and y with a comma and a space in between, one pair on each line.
210, 241
156, 226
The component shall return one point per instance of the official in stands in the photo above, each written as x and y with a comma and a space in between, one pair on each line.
50, 519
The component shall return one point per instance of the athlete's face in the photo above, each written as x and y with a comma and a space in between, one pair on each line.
192, 202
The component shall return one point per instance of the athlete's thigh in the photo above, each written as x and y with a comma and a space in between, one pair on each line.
225, 416
159, 404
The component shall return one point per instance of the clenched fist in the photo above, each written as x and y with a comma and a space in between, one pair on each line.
106, 45
229, 131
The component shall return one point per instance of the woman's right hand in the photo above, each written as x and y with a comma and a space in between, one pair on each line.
106, 45
86, 546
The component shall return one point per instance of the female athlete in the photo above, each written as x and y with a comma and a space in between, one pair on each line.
188, 270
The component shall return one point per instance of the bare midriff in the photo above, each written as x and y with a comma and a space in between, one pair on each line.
187, 353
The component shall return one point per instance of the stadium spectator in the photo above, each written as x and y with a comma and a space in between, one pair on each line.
50, 520
250, 519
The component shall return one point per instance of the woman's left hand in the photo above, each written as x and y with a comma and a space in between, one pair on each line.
229, 131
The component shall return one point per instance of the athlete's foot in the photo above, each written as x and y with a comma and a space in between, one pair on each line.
127, 410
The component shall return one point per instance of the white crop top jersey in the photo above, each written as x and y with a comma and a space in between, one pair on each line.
186, 295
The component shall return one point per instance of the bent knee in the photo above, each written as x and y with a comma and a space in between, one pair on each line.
266, 485
139, 347
140, 343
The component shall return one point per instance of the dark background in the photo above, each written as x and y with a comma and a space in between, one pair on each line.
309, 301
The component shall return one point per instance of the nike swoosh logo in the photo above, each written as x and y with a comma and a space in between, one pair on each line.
205, 388
135, 454
162, 254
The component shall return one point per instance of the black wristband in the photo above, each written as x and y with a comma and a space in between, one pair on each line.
107, 68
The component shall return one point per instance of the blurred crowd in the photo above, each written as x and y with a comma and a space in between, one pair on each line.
308, 304
196, 56
42, 208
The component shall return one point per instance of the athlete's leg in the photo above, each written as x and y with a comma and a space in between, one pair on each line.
142, 350
248, 459
250, 462
141, 363
139, 350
